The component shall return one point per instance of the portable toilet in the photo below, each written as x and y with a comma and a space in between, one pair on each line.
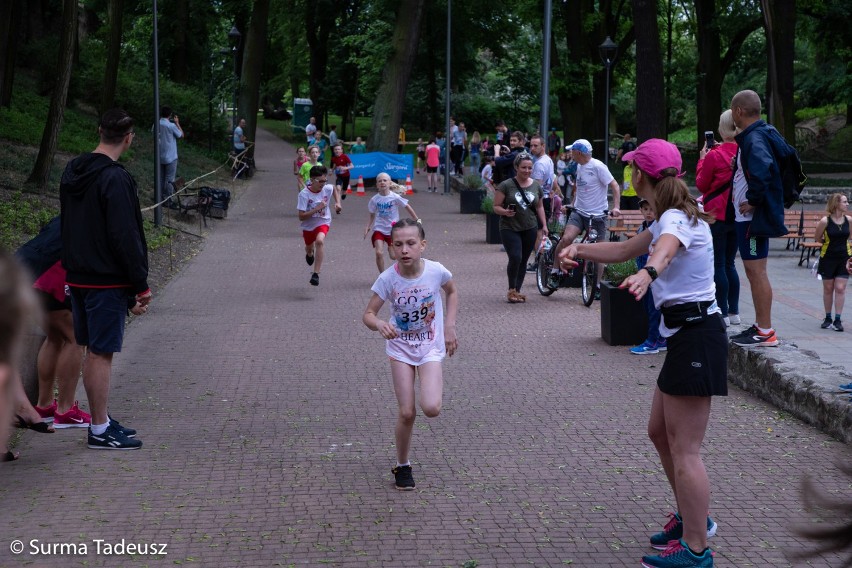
302, 112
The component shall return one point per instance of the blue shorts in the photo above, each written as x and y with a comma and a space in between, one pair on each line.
99, 318
751, 248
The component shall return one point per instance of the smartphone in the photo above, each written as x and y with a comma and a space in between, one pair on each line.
708, 139
511, 207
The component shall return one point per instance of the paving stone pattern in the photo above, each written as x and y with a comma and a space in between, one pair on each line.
267, 415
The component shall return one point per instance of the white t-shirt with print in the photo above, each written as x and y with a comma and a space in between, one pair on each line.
543, 172
739, 195
308, 200
417, 312
689, 275
386, 209
593, 179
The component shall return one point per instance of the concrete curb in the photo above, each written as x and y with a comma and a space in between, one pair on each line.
795, 381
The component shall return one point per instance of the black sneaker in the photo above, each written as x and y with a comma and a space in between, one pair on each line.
745, 333
309, 258
826, 323
759, 339
129, 432
837, 325
113, 439
403, 477
342, 196
314, 279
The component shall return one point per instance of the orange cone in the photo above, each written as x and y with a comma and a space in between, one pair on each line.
408, 189
360, 188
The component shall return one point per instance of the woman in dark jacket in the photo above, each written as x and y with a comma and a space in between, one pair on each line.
518, 200
713, 179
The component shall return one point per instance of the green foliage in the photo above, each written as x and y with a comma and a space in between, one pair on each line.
21, 218
487, 205
617, 272
472, 182
156, 236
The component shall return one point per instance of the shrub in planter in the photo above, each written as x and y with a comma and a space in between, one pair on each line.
471, 195
492, 221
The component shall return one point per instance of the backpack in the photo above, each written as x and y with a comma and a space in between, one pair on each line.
793, 178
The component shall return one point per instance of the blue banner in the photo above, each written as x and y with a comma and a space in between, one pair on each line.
369, 165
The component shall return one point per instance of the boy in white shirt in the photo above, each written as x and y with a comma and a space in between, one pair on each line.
316, 218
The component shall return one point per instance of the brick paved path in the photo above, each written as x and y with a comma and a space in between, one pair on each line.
267, 415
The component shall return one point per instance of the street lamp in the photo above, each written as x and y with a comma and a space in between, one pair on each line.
234, 36
607, 49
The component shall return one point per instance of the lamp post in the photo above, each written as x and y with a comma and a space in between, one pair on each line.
234, 36
607, 49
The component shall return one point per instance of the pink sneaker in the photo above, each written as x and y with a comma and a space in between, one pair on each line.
74, 418
46, 413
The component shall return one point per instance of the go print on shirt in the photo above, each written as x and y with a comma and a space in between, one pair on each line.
414, 315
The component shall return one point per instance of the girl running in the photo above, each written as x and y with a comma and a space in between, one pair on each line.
418, 336
383, 208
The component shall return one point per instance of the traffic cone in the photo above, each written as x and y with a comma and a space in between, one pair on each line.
408, 189
348, 189
360, 188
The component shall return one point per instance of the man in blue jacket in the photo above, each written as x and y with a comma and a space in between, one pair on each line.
758, 199
106, 258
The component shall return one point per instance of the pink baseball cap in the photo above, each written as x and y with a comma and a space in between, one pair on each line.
655, 155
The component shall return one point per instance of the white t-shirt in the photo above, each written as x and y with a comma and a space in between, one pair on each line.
740, 189
689, 275
593, 179
386, 209
543, 172
309, 132
308, 200
417, 312
487, 173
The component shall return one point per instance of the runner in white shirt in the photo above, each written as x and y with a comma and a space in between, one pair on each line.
418, 336
316, 218
384, 212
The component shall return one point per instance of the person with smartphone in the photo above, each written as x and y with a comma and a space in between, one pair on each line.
169, 131
520, 203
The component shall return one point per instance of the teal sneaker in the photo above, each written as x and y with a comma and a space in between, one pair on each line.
678, 555
674, 531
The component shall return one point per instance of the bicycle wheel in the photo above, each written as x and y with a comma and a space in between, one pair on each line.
590, 282
542, 272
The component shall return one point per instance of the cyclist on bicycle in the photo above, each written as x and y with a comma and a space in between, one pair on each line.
590, 198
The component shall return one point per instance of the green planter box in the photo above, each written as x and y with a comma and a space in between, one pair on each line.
624, 321
471, 201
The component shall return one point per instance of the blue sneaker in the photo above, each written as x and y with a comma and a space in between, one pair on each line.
847, 387
647, 348
674, 531
662, 345
678, 555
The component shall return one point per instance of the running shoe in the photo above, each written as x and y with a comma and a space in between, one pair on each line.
735, 319
837, 325
47, 413
826, 323
309, 258
129, 432
112, 439
647, 348
757, 338
662, 345
678, 555
752, 329
403, 479
846, 387
314, 279
674, 530
74, 418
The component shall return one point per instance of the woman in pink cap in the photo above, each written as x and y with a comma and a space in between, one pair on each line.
680, 269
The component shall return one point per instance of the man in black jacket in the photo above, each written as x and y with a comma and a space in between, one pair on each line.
106, 258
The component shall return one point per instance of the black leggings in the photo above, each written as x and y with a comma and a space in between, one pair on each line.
519, 245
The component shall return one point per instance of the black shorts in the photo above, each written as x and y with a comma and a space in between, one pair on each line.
432, 169
696, 360
830, 268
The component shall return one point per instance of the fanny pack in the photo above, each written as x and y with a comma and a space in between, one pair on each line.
691, 313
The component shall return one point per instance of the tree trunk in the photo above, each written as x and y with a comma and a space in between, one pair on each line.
780, 23
180, 37
650, 86
10, 25
576, 106
709, 85
387, 110
41, 171
319, 23
115, 12
255, 48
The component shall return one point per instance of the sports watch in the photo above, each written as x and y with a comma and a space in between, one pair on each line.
652, 272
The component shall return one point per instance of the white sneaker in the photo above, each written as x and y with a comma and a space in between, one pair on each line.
735, 319
727, 321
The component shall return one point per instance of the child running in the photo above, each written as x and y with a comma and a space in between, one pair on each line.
342, 164
383, 214
418, 337
316, 218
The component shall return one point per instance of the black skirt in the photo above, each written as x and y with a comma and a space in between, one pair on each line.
696, 360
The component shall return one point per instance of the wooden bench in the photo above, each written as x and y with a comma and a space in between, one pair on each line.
808, 246
626, 224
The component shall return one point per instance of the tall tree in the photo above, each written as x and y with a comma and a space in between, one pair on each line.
650, 87
387, 110
255, 49
779, 17
68, 41
320, 16
180, 42
115, 14
10, 21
